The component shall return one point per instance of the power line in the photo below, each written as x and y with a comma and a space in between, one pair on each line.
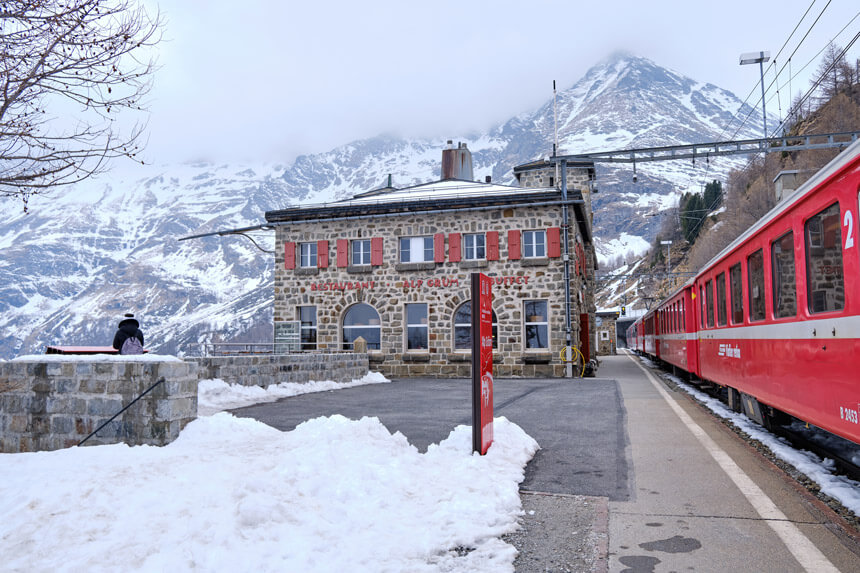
800, 43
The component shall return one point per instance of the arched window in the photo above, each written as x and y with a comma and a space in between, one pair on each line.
463, 327
361, 320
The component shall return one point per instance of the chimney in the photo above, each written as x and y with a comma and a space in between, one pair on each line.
784, 184
456, 163
488, 179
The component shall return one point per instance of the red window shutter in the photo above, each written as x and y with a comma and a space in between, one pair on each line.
514, 248
376, 251
439, 248
342, 253
492, 245
322, 254
289, 255
553, 242
454, 247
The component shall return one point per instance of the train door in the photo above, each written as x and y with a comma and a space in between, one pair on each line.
690, 321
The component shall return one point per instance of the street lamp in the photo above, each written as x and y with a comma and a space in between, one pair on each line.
758, 58
668, 254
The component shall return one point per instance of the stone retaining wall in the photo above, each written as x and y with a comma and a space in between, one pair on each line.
55, 402
263, 370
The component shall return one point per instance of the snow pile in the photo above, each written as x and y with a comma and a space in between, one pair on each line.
234, 494
840, 488
216, 395
149, 357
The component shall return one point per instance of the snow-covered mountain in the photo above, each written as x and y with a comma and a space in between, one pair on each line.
78, 260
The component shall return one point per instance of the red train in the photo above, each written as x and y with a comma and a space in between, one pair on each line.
775, 317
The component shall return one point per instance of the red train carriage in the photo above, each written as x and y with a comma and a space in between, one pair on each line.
649, 334
778, 311
677, 342
635, 340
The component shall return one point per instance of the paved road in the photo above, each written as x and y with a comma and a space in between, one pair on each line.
579, 424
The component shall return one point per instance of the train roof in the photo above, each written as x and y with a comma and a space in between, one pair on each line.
831, 169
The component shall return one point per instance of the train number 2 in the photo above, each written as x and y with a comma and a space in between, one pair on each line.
848, 414
848, 221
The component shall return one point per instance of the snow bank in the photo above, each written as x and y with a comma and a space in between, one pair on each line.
96, 357
215, 395
234, 494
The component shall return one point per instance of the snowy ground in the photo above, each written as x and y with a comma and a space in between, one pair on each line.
233, 494
844, 490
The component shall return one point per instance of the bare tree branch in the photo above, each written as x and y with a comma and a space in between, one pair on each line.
80, 56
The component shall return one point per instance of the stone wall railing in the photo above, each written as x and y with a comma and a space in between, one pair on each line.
54, 402
265, 369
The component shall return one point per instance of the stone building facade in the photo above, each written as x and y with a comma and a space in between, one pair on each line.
606, 332
393, 267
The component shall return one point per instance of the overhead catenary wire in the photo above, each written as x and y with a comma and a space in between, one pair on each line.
755, 87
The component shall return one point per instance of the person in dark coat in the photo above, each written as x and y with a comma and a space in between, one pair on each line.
128, 327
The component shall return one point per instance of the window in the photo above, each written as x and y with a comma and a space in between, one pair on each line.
416, 249
463, 327
604, 335
361, 320
308, 319
784, 282
534, 244
536, 324
721, 299
702, 306
709, 302
416, 327
755, 280
824, 279
736, 288
475, 247
361, 252
307, 255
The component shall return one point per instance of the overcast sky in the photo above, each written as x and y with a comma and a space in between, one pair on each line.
259, 80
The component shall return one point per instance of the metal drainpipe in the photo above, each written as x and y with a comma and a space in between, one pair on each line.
566, 257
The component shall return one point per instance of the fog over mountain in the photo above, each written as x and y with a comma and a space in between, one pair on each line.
80, 259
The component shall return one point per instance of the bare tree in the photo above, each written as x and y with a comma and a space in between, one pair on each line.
68, 68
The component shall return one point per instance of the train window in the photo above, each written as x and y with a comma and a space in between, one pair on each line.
702, 306
784, 282
721, 299
736, 288
709, 302
755, 279
825, 286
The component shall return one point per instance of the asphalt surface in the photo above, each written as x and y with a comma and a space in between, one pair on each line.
580, 424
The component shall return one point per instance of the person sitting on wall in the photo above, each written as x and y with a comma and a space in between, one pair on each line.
129, 338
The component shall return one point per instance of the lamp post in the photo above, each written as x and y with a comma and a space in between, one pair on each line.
668, 254
758, 58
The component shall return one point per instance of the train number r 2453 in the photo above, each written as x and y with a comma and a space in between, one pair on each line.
848, 415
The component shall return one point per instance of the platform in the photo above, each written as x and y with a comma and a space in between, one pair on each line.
630, 475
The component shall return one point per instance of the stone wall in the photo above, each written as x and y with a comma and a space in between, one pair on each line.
54, 402
264, 370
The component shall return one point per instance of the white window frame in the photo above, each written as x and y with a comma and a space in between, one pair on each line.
534, 244
419, 325
474, 247
416, 250
307, 255
539, 323
360, 249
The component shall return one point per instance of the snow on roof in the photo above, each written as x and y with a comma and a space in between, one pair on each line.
435, 191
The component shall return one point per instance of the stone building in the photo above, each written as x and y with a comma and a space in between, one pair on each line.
606, 331
392, 266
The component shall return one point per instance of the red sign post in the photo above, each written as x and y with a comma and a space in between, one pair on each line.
482, 363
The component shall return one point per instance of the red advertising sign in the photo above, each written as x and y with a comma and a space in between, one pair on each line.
482, 362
